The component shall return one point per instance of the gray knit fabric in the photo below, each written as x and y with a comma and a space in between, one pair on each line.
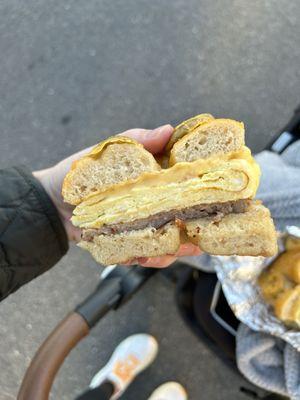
260, 357
268, 362
280, 185
265, 360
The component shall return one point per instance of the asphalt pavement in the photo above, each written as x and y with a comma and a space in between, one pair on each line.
74, 72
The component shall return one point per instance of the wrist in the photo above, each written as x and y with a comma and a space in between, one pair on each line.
46, 178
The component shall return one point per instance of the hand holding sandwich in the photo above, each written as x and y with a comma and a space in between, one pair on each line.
52, 179
150, 194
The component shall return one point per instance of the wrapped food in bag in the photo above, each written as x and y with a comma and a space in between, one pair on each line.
240, 278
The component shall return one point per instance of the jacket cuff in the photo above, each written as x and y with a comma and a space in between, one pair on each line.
32, 236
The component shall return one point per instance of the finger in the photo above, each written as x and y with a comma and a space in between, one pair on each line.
134, 261
76, 234
188, 249
73, 233
153, 141
158, 262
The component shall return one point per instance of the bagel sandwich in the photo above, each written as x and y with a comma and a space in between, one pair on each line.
129, 204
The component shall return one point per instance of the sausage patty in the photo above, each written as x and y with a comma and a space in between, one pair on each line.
217, 210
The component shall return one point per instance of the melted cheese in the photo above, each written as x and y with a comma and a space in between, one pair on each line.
100, 147
228, 177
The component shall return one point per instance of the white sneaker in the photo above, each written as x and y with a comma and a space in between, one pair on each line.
130, 357
169, 391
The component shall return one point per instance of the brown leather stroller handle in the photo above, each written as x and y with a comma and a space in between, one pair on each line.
112, 291
40, 375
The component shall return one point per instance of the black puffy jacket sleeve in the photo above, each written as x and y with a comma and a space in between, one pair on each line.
32, 237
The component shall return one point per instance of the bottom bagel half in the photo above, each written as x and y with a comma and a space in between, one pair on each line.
242, 228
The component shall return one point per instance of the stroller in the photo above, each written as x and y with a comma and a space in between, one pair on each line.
199, 297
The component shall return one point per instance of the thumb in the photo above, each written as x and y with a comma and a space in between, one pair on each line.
153, 140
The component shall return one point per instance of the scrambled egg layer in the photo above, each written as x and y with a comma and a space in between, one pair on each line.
228, 177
